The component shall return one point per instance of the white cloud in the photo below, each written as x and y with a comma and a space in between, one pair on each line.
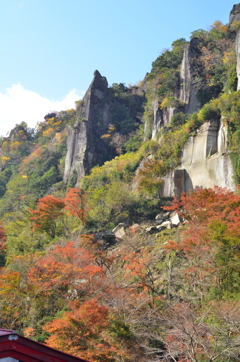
18, 104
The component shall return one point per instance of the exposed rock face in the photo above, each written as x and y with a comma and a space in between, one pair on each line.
205, 162
85, 148
234, 14
162, 117
100, 108
157, 118
238, 58
188, 92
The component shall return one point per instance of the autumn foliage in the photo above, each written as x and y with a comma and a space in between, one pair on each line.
133, 302
3, 238
157, 294
90, 319
212, 237
50, 209
76, 204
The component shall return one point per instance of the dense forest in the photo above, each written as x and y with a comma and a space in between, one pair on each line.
168, 287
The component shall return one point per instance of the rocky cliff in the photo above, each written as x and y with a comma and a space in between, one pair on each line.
188, 91
235, 16
238, 58
205, 162
234, 13
205, 158
90, 141
85, 148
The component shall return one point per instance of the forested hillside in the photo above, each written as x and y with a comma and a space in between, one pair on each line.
96, 259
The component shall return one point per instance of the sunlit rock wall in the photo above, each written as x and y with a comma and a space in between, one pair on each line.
85, 148
235, 16
205, 162
188, 92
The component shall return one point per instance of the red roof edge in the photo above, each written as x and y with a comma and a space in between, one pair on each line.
52, 353
4, 332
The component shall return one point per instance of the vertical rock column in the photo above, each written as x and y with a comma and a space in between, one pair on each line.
238, 59
235, 16
188, 92
85, 148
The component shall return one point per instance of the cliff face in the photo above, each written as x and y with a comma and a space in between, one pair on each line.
205, 162
90, 142
188, 91
161, 117
238, 59
235, 16
85, 148
234, 13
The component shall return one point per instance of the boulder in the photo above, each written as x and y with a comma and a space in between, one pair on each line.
164, 225
151, 229
175, 219
134, 228
119, 230
159, 216
166, 215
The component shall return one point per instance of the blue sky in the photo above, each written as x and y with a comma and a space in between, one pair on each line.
50, 48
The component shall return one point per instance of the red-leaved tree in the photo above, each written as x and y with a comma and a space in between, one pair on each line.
212, 238
44, 218
76, 204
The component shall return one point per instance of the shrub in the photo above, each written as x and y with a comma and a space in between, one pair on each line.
178, 119
210, 111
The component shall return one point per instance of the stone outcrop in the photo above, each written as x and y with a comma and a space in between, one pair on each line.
237, 42
188, 92
205, 162
165, 221
234, 14
119, 230
157, 118
85, 146
162, 117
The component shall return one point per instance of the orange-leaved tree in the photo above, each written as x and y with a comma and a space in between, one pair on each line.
212, 238
49, 209
15, 299
76, 203
82, 332
68, 271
